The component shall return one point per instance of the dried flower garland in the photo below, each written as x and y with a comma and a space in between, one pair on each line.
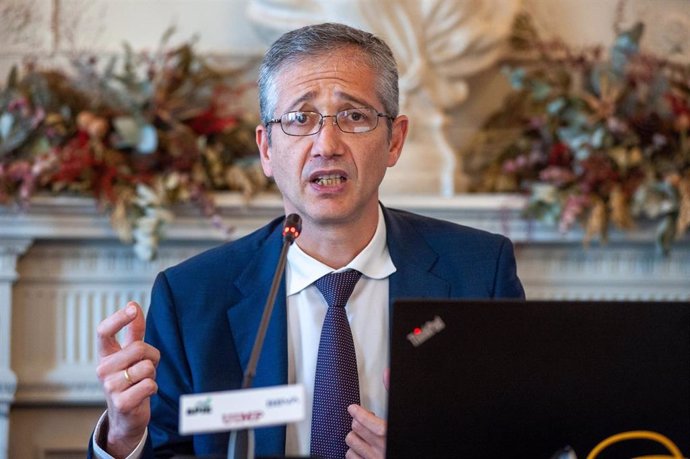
602, 141
155, 130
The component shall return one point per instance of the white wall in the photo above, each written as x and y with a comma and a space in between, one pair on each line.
46, 29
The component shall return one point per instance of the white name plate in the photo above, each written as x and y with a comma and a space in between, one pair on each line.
239, 409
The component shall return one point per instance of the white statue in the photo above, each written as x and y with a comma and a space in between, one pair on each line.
438, 44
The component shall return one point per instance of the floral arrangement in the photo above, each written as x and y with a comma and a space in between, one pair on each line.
593, 137
139, 134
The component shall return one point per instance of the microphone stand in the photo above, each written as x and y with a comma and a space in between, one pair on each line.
241, 442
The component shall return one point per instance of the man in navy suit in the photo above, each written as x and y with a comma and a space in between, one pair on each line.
330, 129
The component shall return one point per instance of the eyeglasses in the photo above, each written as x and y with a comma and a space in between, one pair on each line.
352, 121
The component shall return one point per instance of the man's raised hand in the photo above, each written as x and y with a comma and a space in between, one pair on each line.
127, 372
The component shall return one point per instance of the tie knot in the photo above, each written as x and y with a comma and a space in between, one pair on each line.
336, 288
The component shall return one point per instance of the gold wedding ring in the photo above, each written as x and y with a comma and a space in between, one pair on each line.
127, 377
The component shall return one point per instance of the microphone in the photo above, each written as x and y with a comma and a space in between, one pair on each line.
241, 442
292, 228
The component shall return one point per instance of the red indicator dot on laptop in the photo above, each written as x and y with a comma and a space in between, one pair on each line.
417, 331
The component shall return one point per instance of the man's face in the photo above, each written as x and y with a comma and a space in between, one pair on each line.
331, 177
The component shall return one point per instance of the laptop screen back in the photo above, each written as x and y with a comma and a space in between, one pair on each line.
480, 379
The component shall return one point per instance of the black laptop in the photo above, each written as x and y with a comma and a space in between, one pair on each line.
510, 379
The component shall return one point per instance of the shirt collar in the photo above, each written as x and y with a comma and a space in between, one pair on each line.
374, 262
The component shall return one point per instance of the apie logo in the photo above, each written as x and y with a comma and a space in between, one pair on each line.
426, 331
201, 407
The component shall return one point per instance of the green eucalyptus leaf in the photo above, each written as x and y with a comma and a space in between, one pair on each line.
14, 141
627, 44
516, 77
555, 106
597, 139
6, 124
628, 41
146, 89
38, 146
65, 112
651, 201
594, 79
541, 90
575, 117
573, 137
165, 39
581, 153
109, 70
148, 139
12, 78
666, 233
544, 192
127, 130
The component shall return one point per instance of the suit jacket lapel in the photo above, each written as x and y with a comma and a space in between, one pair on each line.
245, 315
414, 260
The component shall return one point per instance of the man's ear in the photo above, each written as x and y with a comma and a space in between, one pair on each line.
398, 136
264, 149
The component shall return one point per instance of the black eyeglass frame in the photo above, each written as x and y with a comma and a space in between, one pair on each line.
320, 124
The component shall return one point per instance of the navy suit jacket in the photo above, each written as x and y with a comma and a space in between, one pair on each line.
205, 312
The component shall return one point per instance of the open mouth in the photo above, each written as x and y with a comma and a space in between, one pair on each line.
329, 180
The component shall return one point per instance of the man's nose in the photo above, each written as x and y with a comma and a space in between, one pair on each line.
327, 141
330, 123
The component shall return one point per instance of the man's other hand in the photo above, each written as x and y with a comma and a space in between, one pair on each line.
367, 439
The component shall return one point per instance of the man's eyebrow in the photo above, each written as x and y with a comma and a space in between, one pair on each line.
304, 97
309, 95
350, 98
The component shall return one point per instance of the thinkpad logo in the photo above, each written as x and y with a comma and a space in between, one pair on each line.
420, 334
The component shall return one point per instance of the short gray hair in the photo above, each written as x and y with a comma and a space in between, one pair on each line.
319, 39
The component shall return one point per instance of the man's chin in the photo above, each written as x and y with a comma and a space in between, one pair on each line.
330, 215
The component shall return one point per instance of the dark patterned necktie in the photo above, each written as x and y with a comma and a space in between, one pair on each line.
336, 385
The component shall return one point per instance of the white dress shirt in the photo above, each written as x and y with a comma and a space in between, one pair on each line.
367, 312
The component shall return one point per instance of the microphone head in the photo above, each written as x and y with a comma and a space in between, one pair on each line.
292, 228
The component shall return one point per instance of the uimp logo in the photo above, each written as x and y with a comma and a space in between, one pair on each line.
201, 407
420, 334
